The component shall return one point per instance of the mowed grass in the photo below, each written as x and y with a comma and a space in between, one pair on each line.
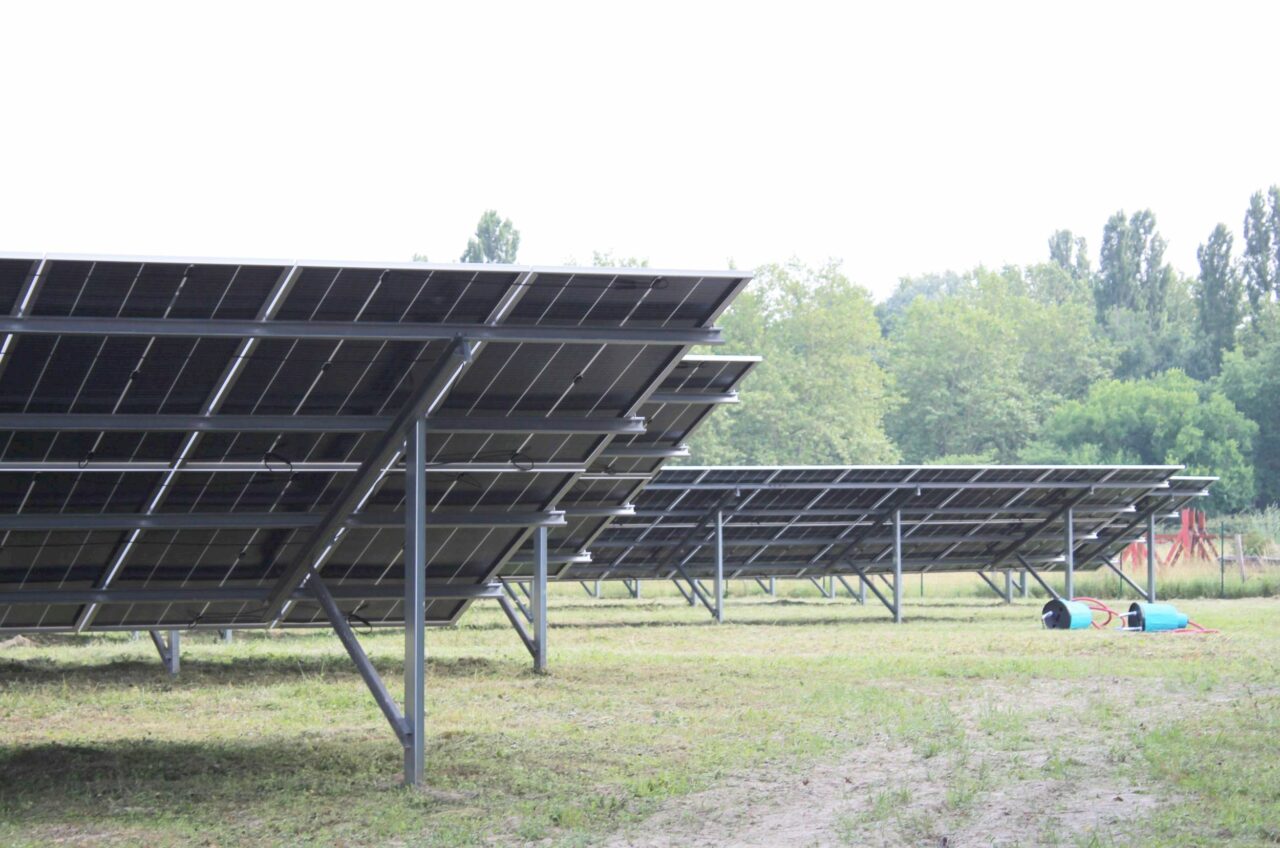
275, 740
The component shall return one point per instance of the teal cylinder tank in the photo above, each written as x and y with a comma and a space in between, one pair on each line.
1156, 617
1066, 615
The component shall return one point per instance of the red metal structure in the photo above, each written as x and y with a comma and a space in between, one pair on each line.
1192, 539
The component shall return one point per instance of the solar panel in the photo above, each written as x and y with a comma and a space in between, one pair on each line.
691, 392
183, 441
804, 521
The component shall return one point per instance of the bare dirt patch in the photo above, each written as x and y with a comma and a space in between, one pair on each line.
1002, 776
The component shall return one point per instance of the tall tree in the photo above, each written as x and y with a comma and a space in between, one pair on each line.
1166, 419
496, 240
820, 394
1261, 247
1117, 281
1132, 273
1218, 295
1251, 379
1070, 253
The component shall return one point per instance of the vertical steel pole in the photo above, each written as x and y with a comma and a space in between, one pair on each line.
719, 566
862, 591
596, 591
1008, 586
1070, 563
175, 640
897, 566
539, 600
773, 587
1151, 559
415, 567
1022, 583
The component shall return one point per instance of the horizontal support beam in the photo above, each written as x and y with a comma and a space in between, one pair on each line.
122, 422
272, 465
853, 514
355, 331
621, 511
268, 520
694, 397
435, 591
803, 541
130, 423
645, 452
552, 559
870, 485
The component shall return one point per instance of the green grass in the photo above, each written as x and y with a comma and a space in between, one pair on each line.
274, 739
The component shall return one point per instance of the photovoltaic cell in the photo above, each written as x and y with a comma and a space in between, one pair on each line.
110, 413
814, 520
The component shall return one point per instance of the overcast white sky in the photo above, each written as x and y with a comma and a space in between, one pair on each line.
900, 139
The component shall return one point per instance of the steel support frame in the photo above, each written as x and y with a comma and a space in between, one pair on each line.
169, 651
1005, 594
632, 585
860, 595
216, 423
376, 331
1146, 594
1027, 569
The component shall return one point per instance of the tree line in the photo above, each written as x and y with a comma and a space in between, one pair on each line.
1060, 361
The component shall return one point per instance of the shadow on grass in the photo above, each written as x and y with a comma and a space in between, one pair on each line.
240, 671
205, 780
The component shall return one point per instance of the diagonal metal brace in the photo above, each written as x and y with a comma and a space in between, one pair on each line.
1142, 593
363, 665
872, 586
1026, 566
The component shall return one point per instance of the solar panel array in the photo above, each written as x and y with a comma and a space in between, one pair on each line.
690, 393
811, 520
178, 438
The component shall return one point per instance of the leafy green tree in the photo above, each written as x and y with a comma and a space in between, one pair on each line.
1071, 254
980, 370
927, 286
1260, 263
1132, 273
820, 395
1251, 379
1218, 294
1167, 419
957, 371
496, 240
607, 259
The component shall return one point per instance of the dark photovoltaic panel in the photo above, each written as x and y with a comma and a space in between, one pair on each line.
806, 521
690, 393
172, 426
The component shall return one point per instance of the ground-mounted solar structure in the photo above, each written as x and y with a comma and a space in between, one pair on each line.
872, 524
213, 444
687, 397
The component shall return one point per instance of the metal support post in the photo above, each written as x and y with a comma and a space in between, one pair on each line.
415, 602
1008, 586
227, 636
719, 589
1022, 583
1151, 558
1069, 563
539, 599
897, 566
633, 587
168, 652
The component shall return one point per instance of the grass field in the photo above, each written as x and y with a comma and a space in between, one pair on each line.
797, 722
